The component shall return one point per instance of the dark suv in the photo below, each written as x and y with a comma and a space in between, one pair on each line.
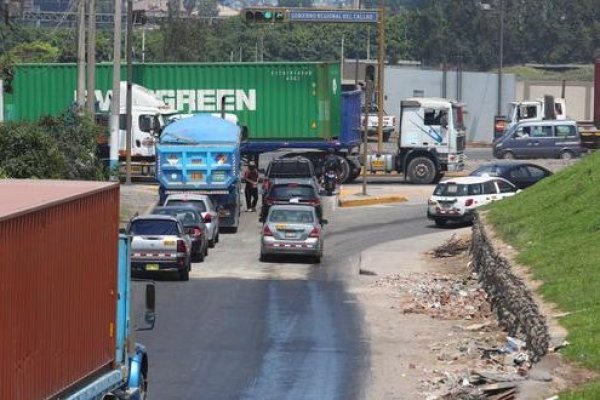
291, 193
290, 170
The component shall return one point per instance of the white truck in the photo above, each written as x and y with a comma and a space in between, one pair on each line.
546, 108
431, 142
389, 122
148, 116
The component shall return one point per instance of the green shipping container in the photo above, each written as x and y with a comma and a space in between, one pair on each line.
280, 101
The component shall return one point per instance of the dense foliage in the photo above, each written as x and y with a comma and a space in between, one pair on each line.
62, 147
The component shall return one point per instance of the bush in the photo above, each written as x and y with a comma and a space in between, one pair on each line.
26, 151
75, 137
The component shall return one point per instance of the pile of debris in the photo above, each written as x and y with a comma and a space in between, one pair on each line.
452, 247
444, 297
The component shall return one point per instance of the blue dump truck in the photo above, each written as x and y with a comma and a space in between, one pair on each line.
67, 302
201, 155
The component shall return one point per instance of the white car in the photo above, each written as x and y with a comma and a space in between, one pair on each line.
455, 199
207, 209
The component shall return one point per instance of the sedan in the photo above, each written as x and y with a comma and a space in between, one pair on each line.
193, 225
291, 193
520, 174
456, 199
292, 230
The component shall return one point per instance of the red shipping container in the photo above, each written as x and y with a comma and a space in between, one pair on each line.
58, 265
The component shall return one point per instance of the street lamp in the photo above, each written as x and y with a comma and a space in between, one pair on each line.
486, 6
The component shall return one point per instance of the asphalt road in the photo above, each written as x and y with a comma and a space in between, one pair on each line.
241, 329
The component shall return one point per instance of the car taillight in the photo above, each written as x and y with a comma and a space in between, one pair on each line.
314, 202
181, 247
316, 232
469, 202
269, 201
266, 231
208, 218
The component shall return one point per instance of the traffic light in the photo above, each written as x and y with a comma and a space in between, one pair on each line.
265, 15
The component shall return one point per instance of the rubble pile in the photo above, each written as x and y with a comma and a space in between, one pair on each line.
452, 247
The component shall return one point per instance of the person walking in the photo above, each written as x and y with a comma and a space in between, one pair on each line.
251, 189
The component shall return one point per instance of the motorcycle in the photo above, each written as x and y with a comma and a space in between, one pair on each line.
329, 182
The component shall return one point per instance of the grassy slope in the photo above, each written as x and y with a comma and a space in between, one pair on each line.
556, 226
585, 73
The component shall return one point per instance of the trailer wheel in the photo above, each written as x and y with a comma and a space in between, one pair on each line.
184, 274
421, 170
345, 173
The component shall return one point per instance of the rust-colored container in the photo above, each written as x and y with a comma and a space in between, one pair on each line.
58, 278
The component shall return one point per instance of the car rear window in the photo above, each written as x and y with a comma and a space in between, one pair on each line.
291, 216
290, 191
290, 169
453, 189
490, 170
187, 217
154, 227
199, 204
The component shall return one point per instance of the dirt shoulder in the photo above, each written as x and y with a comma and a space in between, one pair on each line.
432, 333
136, 199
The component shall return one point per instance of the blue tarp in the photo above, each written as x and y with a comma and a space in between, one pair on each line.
199, 129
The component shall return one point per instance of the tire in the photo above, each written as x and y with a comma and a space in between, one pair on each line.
316, 259
184, 274
199, 255
217, 238
345, 173
421, 171
263, 258
234, 229
566, 155
211, 243
440, 222
329, 192
509, 155
143, 390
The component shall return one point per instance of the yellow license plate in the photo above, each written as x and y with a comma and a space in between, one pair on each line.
280, 226
378, 164
196, 176
169, 243
152, 267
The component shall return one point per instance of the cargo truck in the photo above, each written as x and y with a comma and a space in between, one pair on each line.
431, 142
201, 155
590, 130
67, 310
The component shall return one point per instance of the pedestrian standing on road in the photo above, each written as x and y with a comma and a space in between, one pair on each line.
251, 189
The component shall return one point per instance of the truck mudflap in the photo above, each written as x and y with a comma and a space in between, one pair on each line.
138, 375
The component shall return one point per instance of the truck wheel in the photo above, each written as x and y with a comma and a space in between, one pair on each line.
345, 174
386, 136
421, 170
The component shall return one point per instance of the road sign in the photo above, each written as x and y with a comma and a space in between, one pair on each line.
352, 16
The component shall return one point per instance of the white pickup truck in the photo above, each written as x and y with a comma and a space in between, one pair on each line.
389, 122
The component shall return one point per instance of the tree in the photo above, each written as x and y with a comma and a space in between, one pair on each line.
295, 3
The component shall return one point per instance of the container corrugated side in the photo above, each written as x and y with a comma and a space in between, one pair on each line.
282, 101
49, 89
57, 294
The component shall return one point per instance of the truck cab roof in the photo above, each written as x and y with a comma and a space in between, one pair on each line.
428, 102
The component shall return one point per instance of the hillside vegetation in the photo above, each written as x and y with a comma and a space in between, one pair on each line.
556, 227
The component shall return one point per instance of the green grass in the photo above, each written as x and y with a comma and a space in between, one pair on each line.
585, 73
555, 225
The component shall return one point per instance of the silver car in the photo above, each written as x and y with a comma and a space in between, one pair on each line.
293, 230
207, 209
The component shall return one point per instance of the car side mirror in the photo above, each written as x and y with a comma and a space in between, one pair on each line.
150, 308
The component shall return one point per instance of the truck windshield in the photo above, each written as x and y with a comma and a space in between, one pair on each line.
153, 227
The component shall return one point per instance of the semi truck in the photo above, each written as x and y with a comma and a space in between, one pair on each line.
300, 107
431, 142
67, 309
201, 155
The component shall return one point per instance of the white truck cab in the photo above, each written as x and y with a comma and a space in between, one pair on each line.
534, 110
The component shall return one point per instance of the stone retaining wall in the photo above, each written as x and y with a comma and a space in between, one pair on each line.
511, 300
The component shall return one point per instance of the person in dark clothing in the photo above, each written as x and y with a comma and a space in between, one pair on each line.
332, 163
251, 189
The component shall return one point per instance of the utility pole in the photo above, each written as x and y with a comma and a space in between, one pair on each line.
380, 66
91, 58
81, 57
501, 58
129, 99
365, 143
115, 104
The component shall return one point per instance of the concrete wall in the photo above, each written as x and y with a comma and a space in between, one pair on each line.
579, 96
479, 93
